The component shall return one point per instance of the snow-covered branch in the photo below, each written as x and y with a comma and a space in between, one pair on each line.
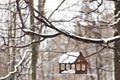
76, 37
89, 40
28, 31
16, 66
115, 22
70, 34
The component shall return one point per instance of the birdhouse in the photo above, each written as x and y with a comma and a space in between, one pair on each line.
72, 62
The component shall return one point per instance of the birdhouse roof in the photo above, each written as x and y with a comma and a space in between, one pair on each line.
69, 57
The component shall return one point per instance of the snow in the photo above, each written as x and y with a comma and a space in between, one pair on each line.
83, 23
73, 53
27, 30
16, 66
93, 75
94, 40
68, 71
68, 57
111, 39
104, 40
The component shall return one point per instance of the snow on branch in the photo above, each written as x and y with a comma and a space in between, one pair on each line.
16, 66
28, 31
117, 15
89, 40
70, 34
76, 37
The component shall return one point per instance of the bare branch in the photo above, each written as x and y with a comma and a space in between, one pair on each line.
16, 66
56, 9
22, 46
95, 53
71, 35
19, 12
76, 37
27, 31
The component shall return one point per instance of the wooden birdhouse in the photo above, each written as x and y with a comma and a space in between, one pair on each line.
72, 62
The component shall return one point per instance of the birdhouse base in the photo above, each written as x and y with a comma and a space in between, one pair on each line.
68, 71
73, 71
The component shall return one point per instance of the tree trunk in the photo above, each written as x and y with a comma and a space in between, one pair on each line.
35, 46
12, 51
117, 45
41, 4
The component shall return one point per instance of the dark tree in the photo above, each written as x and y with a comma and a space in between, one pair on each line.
117, 45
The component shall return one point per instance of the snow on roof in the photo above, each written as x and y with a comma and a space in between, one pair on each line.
68, 57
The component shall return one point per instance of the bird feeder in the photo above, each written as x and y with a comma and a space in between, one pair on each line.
72, 62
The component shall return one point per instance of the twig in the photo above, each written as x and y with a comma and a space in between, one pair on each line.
16, 66
56, 9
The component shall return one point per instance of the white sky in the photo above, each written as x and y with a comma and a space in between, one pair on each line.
51, 4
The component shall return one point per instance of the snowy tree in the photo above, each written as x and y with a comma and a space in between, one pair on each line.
39, 31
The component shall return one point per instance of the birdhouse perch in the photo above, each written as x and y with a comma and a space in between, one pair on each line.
72, 62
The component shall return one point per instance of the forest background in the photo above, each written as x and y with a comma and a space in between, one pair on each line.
35, 33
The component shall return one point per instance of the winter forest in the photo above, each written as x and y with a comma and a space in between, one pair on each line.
35, 33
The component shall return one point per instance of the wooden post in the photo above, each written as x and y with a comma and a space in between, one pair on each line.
80, 67
65, 66
85, 68
75, 68
59, 67
70, 66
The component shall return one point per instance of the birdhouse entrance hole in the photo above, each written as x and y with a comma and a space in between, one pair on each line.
73, 62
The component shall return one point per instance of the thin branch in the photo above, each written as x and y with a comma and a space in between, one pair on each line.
95, 52
16, 66
70, 34
27, 31
56, 9
115, 22
76, 37
19, 12
99, 5
14, 46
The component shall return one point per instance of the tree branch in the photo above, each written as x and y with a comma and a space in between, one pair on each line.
19, 12
71, 35
27, 31
76, 37
56, 9
22, 46
16, 66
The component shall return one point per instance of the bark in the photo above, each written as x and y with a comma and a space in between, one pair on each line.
35, 46
12, 51
41, 4
117, 45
